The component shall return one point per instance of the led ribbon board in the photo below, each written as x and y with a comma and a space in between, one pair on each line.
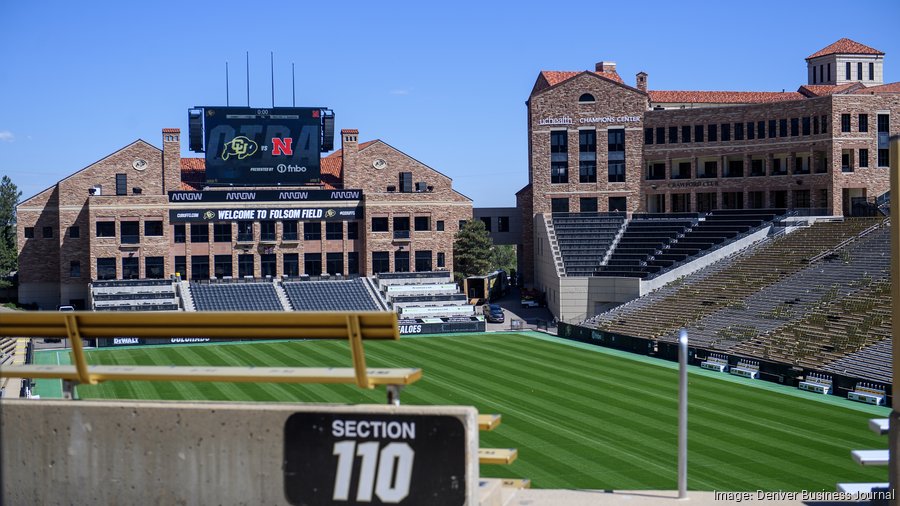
248, 146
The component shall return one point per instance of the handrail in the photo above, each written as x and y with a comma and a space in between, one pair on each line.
849, 240
80, 325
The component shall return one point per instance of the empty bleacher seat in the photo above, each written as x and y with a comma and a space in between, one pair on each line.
348, 295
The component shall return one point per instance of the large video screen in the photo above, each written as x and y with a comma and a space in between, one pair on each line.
249, 146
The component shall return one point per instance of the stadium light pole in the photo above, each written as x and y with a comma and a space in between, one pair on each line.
894, 424
682, 413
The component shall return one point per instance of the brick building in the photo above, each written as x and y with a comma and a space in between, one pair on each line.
145, 212
597, 144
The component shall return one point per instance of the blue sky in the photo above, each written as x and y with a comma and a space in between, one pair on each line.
444, 82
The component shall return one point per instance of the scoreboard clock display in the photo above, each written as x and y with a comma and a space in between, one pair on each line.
356, 459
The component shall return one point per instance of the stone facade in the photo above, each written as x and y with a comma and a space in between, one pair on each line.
58, 268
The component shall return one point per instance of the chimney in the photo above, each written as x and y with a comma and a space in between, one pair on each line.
641, 81
350, 158
605, 66
171, 159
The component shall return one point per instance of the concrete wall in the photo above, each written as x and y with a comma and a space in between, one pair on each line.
97, 452
513, 216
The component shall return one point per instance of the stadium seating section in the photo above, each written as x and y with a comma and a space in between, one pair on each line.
817, 298
134, 295
585, 238
235, 296
349, 295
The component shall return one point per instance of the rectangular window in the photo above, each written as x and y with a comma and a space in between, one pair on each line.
352, 230
587, 204
801, 165
726, 132
711, 133
154, 267
828, 72
222, 266
801, 198
153, 228
406, 183
29, 232
845, 122
334, 263
47, 232
685, 134
181, 266
288, 231
422, 223
859, 71
75, 232
121, 184
884, 124
401, 227
587, 156
441, 262
682, 171
760, 129
312, 264
821, 77
863, 157
380, 224
245, 265
757, 168
401, 261
559, 156
660, 135
615, 155
130, 232
751, 133
648, 136
846, 164
772, 132
502, 224
334, 231
74, 269
673, 135
245, 231
312, 231
795, 127
559, 205
617, 204
884, 158
782, 128
352, 263
738, 131
871, 71
423, 261
847, 71
381, 262
291, 264
698, 133
199, 232
106, 268
824, 123
199, 267
815, 125
863, 122
806, 125
268, 265
656, 171
735, 168
710, 169
108, 229
267, 231
131, 268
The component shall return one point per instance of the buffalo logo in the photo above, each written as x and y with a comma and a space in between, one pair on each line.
240, 146
330, 213
209, 215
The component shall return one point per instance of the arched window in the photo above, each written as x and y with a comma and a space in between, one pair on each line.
587, 97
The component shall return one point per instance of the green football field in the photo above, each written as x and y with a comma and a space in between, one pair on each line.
581, 416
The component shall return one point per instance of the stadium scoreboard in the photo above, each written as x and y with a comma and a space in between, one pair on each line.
369, 458
260, 146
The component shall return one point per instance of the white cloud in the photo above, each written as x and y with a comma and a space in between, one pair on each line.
6, 136
400, 92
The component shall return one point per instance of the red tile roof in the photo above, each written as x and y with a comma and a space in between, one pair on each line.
171, 130
844, 46
554, 77
821, 90
193, 173
332, 172
722, 97
349, 131
884, 88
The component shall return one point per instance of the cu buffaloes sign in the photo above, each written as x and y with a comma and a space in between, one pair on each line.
262, 146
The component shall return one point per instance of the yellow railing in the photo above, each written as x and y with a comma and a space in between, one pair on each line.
77, 326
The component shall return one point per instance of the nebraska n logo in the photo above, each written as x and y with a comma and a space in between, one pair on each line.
282, 146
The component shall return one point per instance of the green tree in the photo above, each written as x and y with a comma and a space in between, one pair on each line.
472, 250
9, 197
503, 258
